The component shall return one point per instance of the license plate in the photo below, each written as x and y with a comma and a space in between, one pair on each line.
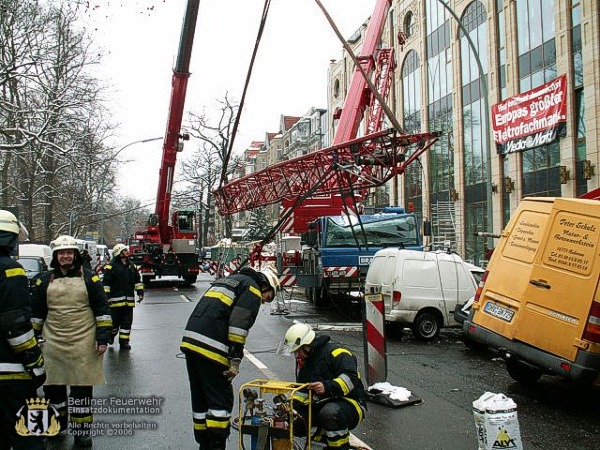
500, 312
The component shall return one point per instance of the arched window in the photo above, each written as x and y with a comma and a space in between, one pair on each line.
336, 89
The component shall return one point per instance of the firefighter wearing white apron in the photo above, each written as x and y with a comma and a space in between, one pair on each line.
70, 308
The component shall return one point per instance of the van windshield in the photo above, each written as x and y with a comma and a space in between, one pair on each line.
384, 231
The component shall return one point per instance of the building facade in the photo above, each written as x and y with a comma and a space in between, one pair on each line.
458, 61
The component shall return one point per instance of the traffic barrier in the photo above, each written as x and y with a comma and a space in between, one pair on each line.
287, 278
376, 357
374, 339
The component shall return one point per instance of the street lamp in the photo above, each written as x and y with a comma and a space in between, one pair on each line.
140, 141
101, 200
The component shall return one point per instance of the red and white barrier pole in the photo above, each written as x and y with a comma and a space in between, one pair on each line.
374, 339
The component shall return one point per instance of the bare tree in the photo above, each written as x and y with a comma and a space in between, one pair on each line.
54, 164
215, 135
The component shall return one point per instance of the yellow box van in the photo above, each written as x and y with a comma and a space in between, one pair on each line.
539, 301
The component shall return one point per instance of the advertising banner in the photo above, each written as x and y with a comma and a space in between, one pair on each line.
532, 119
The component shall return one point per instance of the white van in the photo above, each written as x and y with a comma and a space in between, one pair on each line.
420, 289
42, 251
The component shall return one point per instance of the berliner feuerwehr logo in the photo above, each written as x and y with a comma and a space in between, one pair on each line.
37, 418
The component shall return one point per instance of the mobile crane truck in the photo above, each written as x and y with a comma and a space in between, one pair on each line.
164, 249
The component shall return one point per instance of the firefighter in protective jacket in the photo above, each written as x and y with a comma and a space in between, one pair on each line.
332, 371
121, 281
70, 309
213, 343
21, 362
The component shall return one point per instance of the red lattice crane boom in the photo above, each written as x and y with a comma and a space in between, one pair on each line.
351, 164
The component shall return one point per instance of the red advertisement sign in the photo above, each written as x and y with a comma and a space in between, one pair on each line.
534, 118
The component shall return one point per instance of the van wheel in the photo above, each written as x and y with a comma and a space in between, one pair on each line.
426, 326
521, 372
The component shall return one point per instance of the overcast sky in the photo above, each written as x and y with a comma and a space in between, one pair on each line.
141, 39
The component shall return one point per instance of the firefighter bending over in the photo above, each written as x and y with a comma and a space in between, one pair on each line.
213, 343
338, 404
121, 281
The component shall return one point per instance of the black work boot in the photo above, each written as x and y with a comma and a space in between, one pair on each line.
124, 345
204, 443
83, 441
217, 443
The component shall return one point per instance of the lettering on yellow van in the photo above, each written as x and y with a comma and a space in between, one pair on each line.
537, 303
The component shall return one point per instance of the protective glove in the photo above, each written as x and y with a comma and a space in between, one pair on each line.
234, 369
38, 376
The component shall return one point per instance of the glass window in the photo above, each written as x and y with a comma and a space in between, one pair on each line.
409, 24
577, 45
377, 230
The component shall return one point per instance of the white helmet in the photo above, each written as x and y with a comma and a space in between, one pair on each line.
298, 335
8, 222
118, 249
271, 277
64, 243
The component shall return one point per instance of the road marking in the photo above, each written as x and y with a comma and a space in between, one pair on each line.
262, 367
259, 365
185, 298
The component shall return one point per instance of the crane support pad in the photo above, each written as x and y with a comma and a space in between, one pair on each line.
385, 400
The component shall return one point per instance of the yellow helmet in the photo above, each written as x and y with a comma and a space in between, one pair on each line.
298, 335
271, 277
8, 222
64, 243
118, 249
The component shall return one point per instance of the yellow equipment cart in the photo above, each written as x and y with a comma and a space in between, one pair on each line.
267, 415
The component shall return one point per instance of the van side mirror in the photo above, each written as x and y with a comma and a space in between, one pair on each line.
426, 228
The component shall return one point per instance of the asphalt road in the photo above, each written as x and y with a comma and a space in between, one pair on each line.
446, 375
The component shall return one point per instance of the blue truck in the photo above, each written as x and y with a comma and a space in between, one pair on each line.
337, 250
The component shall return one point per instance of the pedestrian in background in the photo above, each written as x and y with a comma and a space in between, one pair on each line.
121, 281
21, 362
213, 344
87, 259
70, 309
338, 403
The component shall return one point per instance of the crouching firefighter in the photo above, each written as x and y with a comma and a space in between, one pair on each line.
21, 362
338, 403
121, 281
213, 344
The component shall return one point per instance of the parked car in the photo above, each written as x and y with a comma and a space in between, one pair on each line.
33, 265
36, 250
420, 289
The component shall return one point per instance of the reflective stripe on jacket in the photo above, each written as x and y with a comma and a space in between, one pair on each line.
218, 327
121, 281
20, 354
336, 367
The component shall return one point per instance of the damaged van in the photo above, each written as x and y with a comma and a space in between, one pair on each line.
538, 304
